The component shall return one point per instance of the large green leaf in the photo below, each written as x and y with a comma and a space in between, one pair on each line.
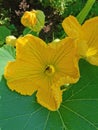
78, 111
7, 53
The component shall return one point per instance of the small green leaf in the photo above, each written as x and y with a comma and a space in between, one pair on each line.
7, 53
4, 31
29, 31
78, 111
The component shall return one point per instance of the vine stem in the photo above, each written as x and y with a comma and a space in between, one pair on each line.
84, 12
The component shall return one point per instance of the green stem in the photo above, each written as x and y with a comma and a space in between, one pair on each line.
30, 31
84, 12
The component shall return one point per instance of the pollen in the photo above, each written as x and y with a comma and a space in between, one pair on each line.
49, 70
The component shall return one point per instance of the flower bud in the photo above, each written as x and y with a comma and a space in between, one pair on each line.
29, 18
11, 40
34, 20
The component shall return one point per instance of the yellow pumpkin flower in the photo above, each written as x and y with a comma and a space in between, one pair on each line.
43, 68
29, 18
85, 35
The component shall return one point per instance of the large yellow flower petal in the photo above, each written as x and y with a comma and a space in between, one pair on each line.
71, 26
28, 47
50, 97
19, 77
65, 60
90, 31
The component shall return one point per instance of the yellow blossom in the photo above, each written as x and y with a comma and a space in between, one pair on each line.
43, 68
85, 35
29, 19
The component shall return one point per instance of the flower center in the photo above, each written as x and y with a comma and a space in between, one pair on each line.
49, 70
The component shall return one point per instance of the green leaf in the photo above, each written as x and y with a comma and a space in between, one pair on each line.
78, 111
4, 31
29, 31
7, 53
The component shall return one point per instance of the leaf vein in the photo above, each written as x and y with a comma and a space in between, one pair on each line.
79, 115
46, 120
39, 109
71, 100
64, 125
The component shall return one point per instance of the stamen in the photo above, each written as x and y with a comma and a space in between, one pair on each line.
49, 70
